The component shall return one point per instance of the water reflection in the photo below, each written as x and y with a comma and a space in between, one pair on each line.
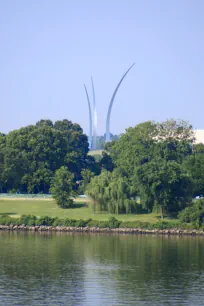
79, 269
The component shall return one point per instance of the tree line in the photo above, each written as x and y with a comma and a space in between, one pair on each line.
158, 162
30, 156
152, 165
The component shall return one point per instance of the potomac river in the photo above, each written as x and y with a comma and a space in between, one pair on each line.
99, 269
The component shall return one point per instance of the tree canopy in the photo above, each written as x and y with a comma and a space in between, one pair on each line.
30, 156
151, 159
62, 187
157, 163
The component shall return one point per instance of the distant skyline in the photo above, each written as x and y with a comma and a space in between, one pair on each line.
49, 49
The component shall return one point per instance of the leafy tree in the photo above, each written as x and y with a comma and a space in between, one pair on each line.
44, 122
62, 187
106, 162
195, 165
30, 156
171, 140
164, 183
67, 125
193, 213
135, 147
174, 139
87, 175
112, 192
148, 161
175, 130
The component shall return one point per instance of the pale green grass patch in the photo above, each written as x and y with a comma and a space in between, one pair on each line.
82, 210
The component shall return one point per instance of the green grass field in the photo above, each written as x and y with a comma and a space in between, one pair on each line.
95, 152
47, 207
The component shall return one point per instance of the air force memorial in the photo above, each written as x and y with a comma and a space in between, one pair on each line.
93, 116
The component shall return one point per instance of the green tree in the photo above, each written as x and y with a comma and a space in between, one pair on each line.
135, 147
106, 161
165, 184
171, 140
86, 175
112, 192
194, 213
30, 156
62, 187
195, 165
148, 161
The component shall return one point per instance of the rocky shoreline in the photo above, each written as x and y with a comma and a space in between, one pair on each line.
43, 228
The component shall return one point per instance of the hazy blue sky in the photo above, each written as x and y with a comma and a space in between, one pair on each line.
50, 48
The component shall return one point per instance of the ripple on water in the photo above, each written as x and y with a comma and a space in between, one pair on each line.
100, 270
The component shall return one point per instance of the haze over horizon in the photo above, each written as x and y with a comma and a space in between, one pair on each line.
49, 49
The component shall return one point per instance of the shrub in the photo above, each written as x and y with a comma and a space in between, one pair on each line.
45, 220
57, 221
6, 220
113, 222
96, 223
193, 214
130, 224
29, 220
69, 222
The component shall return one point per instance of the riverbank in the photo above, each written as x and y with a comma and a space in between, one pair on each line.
42, 228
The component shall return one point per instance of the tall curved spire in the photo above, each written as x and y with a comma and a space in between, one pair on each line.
111, 104
90, 119
94, 117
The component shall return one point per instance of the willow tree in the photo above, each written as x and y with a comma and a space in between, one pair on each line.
112, 193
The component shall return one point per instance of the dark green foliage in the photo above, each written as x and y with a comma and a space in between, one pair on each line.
169, 140
82, 223
113, 222
62, 187
30, 156
29, 220
193, 214
149, 161
151, 165
96, 223
57, 222
106, 162
195, 165
164, 183
45, 220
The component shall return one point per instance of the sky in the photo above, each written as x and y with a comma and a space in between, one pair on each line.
50, 48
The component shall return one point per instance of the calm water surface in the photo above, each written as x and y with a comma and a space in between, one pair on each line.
79, 269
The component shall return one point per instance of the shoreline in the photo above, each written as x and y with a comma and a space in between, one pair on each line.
135, 231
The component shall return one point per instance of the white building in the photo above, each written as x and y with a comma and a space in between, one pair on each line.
199, 136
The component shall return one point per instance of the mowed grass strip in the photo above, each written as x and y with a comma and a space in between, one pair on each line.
82, 209
95, 152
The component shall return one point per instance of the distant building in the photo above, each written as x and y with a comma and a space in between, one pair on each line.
199, 136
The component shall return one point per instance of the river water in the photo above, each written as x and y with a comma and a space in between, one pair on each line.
79, 269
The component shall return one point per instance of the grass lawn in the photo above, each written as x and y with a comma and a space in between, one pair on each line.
95, 152
47, 207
